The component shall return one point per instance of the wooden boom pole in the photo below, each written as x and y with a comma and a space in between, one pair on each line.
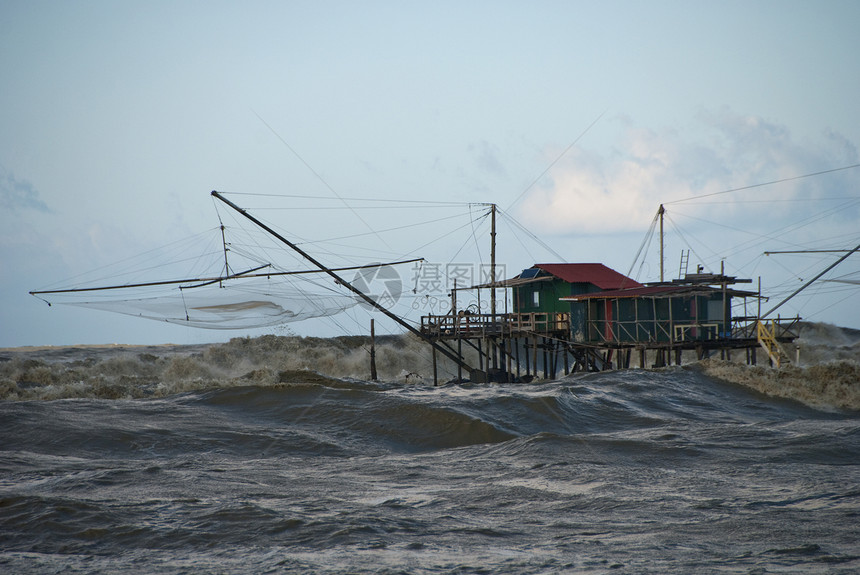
442, 349
810, 282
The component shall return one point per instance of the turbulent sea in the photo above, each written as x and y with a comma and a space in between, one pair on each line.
277, 455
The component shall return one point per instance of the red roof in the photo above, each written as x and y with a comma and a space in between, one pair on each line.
598, 274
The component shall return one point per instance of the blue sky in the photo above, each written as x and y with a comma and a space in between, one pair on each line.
577, 118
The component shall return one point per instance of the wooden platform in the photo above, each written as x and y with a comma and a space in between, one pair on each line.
518, 346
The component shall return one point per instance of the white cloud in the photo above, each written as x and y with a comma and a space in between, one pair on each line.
620, 190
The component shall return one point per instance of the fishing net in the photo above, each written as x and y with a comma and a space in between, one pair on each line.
247, 274
225, 307
213, 295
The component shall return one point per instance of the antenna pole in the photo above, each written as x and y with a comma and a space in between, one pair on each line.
445, 351
493, 261
660, 212
224, 243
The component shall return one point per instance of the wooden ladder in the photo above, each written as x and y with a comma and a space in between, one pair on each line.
685, 258
766, 335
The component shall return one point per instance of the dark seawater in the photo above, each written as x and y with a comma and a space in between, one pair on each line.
135, 462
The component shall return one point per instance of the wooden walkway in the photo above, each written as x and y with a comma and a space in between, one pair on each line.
513, 343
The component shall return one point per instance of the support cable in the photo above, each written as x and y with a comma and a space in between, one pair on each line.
807, 284
556, 160
444, 351
537, 240
685, 240
645, 241
319, 177
852, 166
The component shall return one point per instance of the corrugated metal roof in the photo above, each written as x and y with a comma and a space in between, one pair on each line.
633, 292
657, 291
511, 283
598, 274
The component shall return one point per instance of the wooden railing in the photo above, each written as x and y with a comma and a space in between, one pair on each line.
468, 325
696, 331
484, 324
782, 328
632, 331
651, 330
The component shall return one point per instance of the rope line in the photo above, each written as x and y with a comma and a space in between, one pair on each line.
852, 166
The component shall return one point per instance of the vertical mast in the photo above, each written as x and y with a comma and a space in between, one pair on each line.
226, 263
727, 312
493, 260
660, 212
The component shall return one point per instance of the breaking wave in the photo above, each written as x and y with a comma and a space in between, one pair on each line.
247, 455
834, 384
827, 377
136, 372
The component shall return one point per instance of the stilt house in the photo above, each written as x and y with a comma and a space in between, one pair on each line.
696, 308
604, 306
540, 288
